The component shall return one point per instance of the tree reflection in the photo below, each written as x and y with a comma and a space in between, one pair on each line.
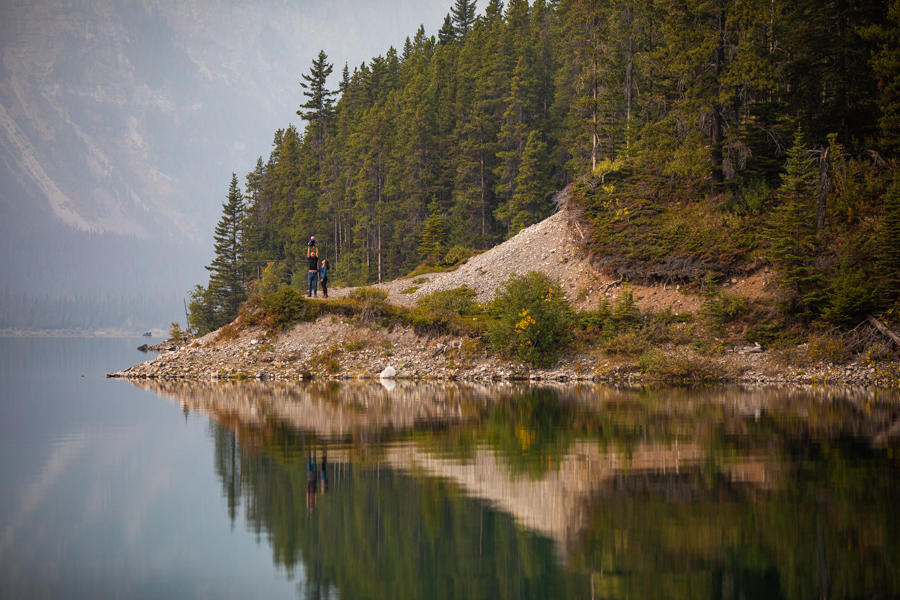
575, 492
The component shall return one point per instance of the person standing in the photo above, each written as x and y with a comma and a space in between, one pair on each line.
312, 255
323, 277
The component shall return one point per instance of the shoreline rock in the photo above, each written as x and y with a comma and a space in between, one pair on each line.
332, 349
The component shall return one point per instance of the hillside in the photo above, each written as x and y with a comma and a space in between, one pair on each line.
558, 247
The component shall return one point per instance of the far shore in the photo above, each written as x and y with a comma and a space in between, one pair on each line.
78, 333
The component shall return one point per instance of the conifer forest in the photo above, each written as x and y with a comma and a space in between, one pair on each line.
698, 136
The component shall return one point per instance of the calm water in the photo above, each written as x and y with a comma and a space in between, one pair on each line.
205, 490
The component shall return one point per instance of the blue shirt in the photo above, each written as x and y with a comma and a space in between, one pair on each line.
323, 272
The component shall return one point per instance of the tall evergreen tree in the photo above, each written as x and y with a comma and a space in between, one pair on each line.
792, 229
431, 246
463, 14
531, 202
888, 246
886, 64
319, 107
447, 32
226, 280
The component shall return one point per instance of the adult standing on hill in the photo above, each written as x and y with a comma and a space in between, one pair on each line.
312, 255
323, 277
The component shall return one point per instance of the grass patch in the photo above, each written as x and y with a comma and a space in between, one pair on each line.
681, 366
227, 333
626, 343
410, 290
823, 346
354, 345
326, 359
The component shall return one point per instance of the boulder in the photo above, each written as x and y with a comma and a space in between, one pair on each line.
388, 373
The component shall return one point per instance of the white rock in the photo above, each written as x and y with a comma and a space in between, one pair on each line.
389, 373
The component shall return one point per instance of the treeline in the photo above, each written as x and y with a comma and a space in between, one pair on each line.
478, 126
88, 313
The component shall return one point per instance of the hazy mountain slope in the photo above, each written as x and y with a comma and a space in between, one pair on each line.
127, 118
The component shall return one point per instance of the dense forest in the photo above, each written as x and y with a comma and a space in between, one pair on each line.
714, 132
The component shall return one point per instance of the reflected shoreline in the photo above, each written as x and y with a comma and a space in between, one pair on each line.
626, 485
603, 440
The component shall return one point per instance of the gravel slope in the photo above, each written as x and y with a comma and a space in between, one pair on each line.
553, 246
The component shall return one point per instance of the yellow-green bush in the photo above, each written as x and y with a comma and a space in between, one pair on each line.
534, 319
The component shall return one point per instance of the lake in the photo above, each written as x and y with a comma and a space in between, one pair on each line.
368, 490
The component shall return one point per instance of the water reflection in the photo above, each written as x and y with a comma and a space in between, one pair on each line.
511, 491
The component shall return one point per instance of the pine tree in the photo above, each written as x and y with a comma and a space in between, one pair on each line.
447, 32
431, 246
494, 10
888, 246
463, 13
792, 229
886, 64
319, 107
226, 280
255, 236
202, 314
513, 136
533, 187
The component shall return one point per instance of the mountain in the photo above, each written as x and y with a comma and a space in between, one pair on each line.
121, 122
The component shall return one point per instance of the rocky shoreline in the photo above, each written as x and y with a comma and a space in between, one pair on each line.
331, 349
335, 347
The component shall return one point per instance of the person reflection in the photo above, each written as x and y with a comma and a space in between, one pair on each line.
323, 478
310, 483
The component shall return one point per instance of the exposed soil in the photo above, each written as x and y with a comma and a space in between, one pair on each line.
555, 246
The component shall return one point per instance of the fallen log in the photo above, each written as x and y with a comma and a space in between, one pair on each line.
883, 329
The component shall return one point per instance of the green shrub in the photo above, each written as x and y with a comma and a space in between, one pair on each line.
827, 347
443, 310
849, 297
176, 334
533, 319
625, 313
455, 256
721, 307
666, 315
371, 302
751, 198
368, 295
680, 334
284, 307
626, 343
460, 301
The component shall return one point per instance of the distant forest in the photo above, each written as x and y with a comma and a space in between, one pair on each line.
89, 313
477, 127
